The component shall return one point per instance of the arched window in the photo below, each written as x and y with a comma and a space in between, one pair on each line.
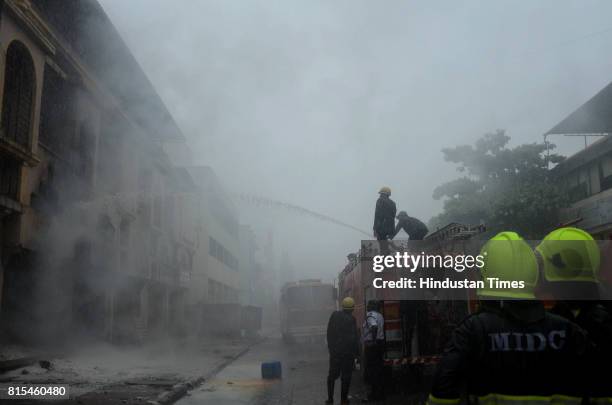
18, 94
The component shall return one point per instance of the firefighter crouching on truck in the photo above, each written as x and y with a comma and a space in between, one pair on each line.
374, 349
343, 345
415, 228
570, 260
512, 351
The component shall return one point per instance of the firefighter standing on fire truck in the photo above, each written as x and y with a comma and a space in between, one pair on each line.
384, 219
512, 351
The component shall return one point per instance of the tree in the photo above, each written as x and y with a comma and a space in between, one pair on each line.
505, 188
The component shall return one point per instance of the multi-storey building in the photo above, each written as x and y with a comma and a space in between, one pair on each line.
250, 269
588, 173
90, 235
216, 269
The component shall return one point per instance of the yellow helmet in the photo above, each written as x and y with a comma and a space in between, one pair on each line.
385, 190
569, 254
509, 258
348, 303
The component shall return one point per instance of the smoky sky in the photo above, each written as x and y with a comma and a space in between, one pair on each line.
320, 103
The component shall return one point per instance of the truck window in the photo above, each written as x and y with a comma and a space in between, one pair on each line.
300, 297
311, 297
323, 296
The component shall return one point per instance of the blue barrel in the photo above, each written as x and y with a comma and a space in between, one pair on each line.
271, 370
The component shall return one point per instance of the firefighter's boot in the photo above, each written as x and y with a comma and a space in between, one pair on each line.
330, 391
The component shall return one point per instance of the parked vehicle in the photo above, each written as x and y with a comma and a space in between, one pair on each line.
305, 307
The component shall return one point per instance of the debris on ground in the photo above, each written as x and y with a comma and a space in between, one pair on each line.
46, 364
8, 365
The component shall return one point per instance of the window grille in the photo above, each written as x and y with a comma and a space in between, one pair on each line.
18, 94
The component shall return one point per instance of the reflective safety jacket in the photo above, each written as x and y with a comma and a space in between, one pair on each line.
512, 353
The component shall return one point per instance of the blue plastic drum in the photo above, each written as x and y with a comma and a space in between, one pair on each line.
271, 370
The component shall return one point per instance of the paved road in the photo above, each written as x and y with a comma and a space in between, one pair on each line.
303, 382
304, 373
106, 375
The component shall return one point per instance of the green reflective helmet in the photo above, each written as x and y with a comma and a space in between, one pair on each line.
569, 254
348, 303
508, 257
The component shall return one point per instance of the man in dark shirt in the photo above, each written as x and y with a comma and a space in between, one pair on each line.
343, 345
412, 226
384, 219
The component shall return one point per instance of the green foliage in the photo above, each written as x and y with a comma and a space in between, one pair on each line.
505, 188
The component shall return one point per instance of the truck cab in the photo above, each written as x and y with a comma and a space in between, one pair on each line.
305, 308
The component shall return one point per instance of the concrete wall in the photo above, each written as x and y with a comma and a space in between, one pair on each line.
594, 212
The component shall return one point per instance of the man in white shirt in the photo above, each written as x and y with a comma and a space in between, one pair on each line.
374, 345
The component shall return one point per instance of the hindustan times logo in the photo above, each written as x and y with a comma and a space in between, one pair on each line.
405, 260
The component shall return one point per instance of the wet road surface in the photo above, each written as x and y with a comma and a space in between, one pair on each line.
304, 374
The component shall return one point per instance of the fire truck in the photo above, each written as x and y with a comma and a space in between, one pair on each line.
418, 323
305, 307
